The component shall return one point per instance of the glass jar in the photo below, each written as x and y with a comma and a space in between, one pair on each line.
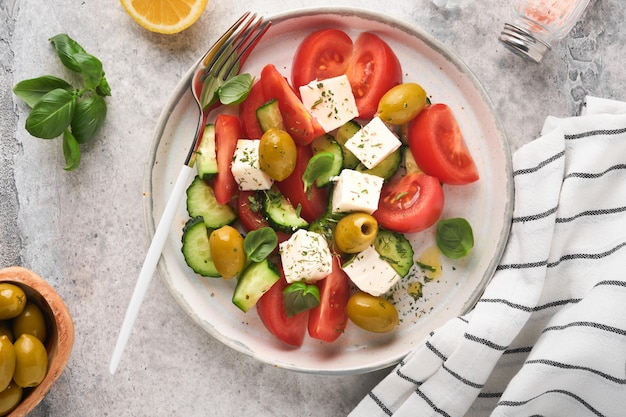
537, 23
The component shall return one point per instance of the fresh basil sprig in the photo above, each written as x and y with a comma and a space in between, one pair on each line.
318, 165
58, 108
454, 237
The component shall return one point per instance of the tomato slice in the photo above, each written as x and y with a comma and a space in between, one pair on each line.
329, 319
373, 70
323, 54
247, 112
410, 203
302, 127
311, 208
227, 133
439, 148
290, 330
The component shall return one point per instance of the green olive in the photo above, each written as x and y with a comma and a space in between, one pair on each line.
6, 329
401, 103
277, 154
31, 362
7, 362
10, 398
355, 232
12, 301
226, 245
374, 314
30, 321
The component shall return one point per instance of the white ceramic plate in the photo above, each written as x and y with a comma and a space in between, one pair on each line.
487, 204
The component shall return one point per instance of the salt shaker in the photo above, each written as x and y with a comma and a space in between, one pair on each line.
537, 23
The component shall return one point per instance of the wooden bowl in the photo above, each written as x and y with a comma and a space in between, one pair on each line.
60, 329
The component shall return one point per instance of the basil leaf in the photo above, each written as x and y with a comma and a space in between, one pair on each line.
71, 151
52, 114
209, 95
299, 297
31, 91
454, 237
66, 49
236, 89
103, 89
318, 165
89, 115
258, 244
90, 68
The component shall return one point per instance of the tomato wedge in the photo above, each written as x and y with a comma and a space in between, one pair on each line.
313, 206
247, 112
439, 148
323, 54
227, 133
410, 203
373, 70
329, 319
302, 127
290, 330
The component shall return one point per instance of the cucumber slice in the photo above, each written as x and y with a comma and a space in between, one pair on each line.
280, 214
196, 250
269, 116
328, 144
386, 168
206, 156
201, 203
396, 249
253, 282
344, 133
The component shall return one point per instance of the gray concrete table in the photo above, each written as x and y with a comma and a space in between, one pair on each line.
84, 230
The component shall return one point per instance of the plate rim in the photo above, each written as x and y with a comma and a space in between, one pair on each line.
182, 87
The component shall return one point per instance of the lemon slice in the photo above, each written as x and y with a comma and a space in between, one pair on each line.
165, 16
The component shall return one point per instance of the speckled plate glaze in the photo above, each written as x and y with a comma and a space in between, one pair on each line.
487, 204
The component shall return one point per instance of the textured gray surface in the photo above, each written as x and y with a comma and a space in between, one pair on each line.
84, 230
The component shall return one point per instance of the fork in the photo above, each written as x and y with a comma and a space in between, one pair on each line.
222, 61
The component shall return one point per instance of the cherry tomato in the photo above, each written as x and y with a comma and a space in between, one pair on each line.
323, 54
277, 154
373, 70
292, 187
402, 103
410, 203
247, 112
298, 122
329, 319
355, 232
374, 314
439, 148
226, 244
227, 133
290, 330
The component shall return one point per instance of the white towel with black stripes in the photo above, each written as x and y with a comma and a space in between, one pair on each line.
548, 337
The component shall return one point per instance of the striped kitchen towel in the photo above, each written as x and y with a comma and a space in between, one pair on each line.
548, 336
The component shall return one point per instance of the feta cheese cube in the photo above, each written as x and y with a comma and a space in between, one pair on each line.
373, 143
305, 257
330, 101
246, 168
370, 273
356, 191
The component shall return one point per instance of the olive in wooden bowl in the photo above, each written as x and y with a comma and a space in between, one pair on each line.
36, 339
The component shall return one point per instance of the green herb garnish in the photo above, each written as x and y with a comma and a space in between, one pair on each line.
299, 297
58, 108
454, 237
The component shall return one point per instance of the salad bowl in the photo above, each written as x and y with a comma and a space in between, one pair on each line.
486, 204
